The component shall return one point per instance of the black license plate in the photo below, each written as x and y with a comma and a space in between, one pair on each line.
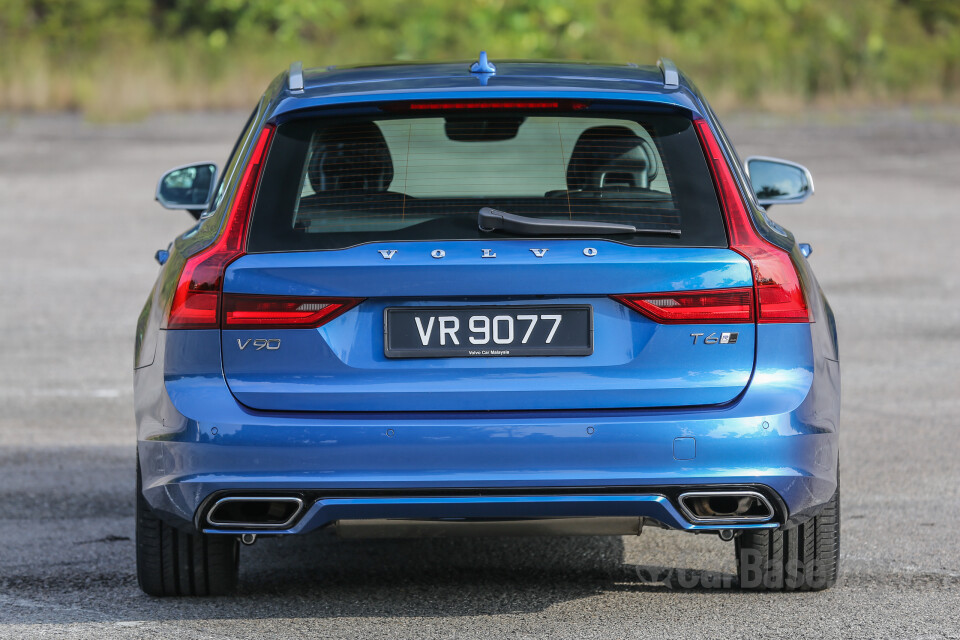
487, 332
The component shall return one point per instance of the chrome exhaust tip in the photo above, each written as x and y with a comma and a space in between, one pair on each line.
259, 512
725, 506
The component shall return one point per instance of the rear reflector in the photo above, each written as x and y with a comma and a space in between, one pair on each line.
281, 312
693, 307
779, 293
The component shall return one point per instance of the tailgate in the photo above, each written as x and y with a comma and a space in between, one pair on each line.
632, 361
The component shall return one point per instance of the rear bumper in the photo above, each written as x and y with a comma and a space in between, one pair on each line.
195, 441
326, 508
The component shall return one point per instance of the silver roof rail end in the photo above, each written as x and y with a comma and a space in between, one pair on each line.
295, 79
671, 77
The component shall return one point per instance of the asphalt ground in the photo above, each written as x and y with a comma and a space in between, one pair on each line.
78, 229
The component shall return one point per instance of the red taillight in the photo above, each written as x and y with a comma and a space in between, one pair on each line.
196, 302
779, 294
715, 306
281, 312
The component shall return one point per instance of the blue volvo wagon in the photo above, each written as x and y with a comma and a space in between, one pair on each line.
516, 298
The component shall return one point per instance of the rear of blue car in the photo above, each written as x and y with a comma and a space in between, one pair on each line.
621, 339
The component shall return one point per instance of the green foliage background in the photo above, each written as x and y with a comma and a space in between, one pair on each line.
121, 58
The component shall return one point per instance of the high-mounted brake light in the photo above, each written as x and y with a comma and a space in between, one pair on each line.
779, 295
196, 301
682, 307
281, 312
490, 104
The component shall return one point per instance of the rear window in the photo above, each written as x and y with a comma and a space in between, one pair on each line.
337, 182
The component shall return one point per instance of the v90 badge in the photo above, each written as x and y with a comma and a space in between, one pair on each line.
270, 344
724, 338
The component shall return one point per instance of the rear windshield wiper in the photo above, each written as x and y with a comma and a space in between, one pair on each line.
495, 220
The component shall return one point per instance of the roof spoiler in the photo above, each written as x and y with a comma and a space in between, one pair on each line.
671, 77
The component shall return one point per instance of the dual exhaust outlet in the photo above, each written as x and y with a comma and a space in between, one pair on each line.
705, 507
280, 512
257, 512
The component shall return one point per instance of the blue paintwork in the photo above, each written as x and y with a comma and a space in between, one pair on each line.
564, 270
512, 80
636, 362
183, 460
766, 413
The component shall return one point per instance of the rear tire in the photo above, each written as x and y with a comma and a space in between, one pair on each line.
171, 562
802, 558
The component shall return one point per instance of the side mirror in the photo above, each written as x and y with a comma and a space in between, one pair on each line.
778, 181
188, 187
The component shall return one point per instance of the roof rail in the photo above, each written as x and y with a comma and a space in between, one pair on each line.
671, 77
295, 79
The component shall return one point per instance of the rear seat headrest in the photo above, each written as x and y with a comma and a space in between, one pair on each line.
351, 156
608, 154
